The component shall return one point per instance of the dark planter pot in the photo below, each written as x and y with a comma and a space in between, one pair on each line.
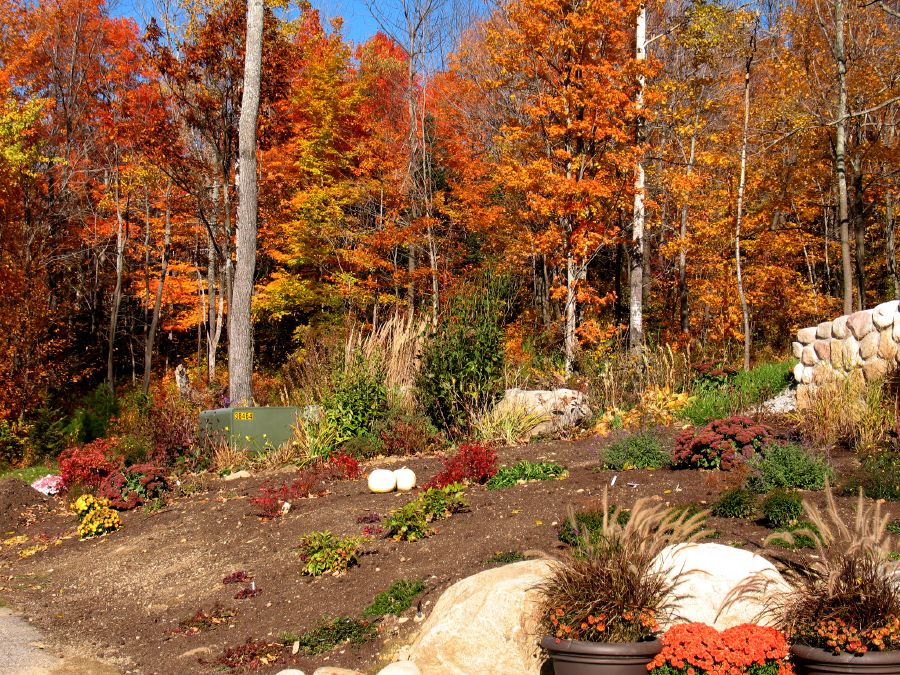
575, 657
815, 661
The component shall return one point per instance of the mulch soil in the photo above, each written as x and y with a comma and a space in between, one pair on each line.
125, 596
20, 504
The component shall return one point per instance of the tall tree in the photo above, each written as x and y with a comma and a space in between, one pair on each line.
240, 326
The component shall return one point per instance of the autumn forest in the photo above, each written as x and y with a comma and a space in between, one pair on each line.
699, 173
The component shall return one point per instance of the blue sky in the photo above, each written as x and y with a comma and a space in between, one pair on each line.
358, 26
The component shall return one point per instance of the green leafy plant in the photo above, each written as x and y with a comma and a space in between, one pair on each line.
48, 436
525, 471
91, 420
788, 466
330, 634
396, 599
462, 360
641, 450
413, 520
736, 503
881, 474
720, 393
505, 558
359, 401
323, 553
799, 535
782, 508
894, 527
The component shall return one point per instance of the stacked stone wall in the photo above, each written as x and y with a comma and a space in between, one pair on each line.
863, 344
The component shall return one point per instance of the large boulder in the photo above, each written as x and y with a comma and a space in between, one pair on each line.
486, 623
720, 585
561, 408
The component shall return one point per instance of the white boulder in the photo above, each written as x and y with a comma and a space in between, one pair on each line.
720, 585
560, 409
487, 623
400, 668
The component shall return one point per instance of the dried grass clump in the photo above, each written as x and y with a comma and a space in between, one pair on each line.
850, 584
506, 424
610, 589
848, 410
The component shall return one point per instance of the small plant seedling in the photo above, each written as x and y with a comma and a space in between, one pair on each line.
238, 577
505, 557
396, 599
525, 471
330, 634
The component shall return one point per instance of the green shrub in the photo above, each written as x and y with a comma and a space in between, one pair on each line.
505, 557
363, 447
736, 503
894, 527
588, 521
641, 450
13, 442
708, 402
359, 401
396, 599
48, 435
323, 553
782, 508
334, 632
507, 476
462, 360
91, 420
788, 466
413, 520
881, 475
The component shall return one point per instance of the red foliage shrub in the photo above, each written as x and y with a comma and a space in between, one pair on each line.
696, 647
343, 466
473, 462
90, 464
173, 424
272, 498
248, 592
721, 444
238, 577
130, 487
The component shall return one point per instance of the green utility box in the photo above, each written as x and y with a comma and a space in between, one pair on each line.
249, 428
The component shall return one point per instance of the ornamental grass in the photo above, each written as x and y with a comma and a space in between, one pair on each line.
848, 600
609, 589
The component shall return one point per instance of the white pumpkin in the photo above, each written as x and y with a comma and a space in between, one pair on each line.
406, 479
382, 480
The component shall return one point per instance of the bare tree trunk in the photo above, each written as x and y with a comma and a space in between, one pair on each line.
571, 307
636, 303
157, 304
840, 152
859, 234
745, 310
890, 243
121, 238
240, 326
684, 311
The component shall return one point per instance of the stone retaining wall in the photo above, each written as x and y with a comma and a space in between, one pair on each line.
865, 342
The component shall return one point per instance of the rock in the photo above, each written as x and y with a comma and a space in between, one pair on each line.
294, 671
809, 358
839, 328
896, 329
851, 353
195, 652
802, 396
807, 375
822, 349
860, 324
486, 623
785, 402
883, 314
333, 670
400, 668
237, 475
721, 586
798, 373
561, 408
875, 369
837, 354
823, 330
868, 346
797, 349
887, 348
806, 335
182, 381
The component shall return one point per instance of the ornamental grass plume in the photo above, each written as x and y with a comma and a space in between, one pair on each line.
848, 600
608, 589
